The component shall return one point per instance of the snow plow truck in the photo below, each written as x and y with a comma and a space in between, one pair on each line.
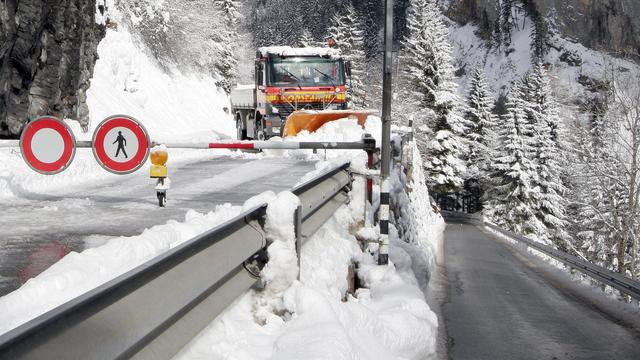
295, 89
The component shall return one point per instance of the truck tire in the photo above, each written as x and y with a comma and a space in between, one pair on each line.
241, 133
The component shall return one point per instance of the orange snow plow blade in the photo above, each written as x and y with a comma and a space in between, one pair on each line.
311, 120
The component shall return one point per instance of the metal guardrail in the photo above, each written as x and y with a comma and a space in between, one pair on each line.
617, 281
154, 310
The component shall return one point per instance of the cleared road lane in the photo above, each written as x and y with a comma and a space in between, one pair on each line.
502, 304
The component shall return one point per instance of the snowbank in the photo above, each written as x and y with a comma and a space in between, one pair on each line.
315, 317
418, 229
306, 51
78, 273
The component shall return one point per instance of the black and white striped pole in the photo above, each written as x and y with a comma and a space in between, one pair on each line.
383, 215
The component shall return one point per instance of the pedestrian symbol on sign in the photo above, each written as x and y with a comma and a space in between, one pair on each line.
121, 134
122, 142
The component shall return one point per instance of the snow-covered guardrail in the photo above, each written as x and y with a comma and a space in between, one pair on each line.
154, 310
617, 281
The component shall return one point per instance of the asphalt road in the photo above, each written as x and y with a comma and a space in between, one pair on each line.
502, 304
38, 230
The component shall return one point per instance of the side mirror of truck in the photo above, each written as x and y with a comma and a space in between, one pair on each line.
347, 68
259, 74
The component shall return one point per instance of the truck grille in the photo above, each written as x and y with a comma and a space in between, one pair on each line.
286, 109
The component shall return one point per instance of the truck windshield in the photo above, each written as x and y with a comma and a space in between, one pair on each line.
302, 71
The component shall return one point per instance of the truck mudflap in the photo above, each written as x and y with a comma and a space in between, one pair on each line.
312, 120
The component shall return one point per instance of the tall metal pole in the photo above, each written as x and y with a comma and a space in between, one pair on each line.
383, 215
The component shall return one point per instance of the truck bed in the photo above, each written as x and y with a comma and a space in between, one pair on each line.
243, 97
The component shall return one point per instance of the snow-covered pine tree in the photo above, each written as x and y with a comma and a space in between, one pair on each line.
428, 71
509, 16
226, 62
348, 32
540, 108
306, 39
482, 126
593, 237
371, 11
539, 35
511, 198
497, 26
230, 9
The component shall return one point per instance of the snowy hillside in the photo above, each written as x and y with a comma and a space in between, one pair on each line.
574, 69
172, 104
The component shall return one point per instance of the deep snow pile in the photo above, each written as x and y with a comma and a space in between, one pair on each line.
172, 106
315, 317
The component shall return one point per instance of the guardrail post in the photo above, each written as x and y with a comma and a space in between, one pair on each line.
297, 228
370, 148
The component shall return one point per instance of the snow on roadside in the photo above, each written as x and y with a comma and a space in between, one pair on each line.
315, 317
170, 104
78, 273
418, 226
127, 80
387, 319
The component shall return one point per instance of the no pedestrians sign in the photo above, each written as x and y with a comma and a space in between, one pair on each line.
121, 144
47, 145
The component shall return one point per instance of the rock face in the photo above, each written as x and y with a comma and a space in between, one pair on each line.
48, 50
611, 25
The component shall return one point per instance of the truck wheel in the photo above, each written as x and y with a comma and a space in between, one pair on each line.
261, 136
242, 133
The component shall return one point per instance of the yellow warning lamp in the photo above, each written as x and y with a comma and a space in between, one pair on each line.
159, 157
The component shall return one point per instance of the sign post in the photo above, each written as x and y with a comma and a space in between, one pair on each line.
121, 144
47, 145
385, 147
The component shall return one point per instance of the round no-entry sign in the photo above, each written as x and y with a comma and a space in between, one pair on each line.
121, 144
47, 145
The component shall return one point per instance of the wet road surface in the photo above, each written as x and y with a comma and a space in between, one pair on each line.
502, 305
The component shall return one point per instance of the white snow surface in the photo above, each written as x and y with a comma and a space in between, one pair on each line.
315, 317
470, 51
78, 273
306, 51
170, 104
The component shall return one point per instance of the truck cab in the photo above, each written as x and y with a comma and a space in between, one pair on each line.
289, 79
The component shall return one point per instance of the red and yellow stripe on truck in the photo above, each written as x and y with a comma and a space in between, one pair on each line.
278, 95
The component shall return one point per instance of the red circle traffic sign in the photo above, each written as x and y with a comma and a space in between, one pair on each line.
47, 145
121, 144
